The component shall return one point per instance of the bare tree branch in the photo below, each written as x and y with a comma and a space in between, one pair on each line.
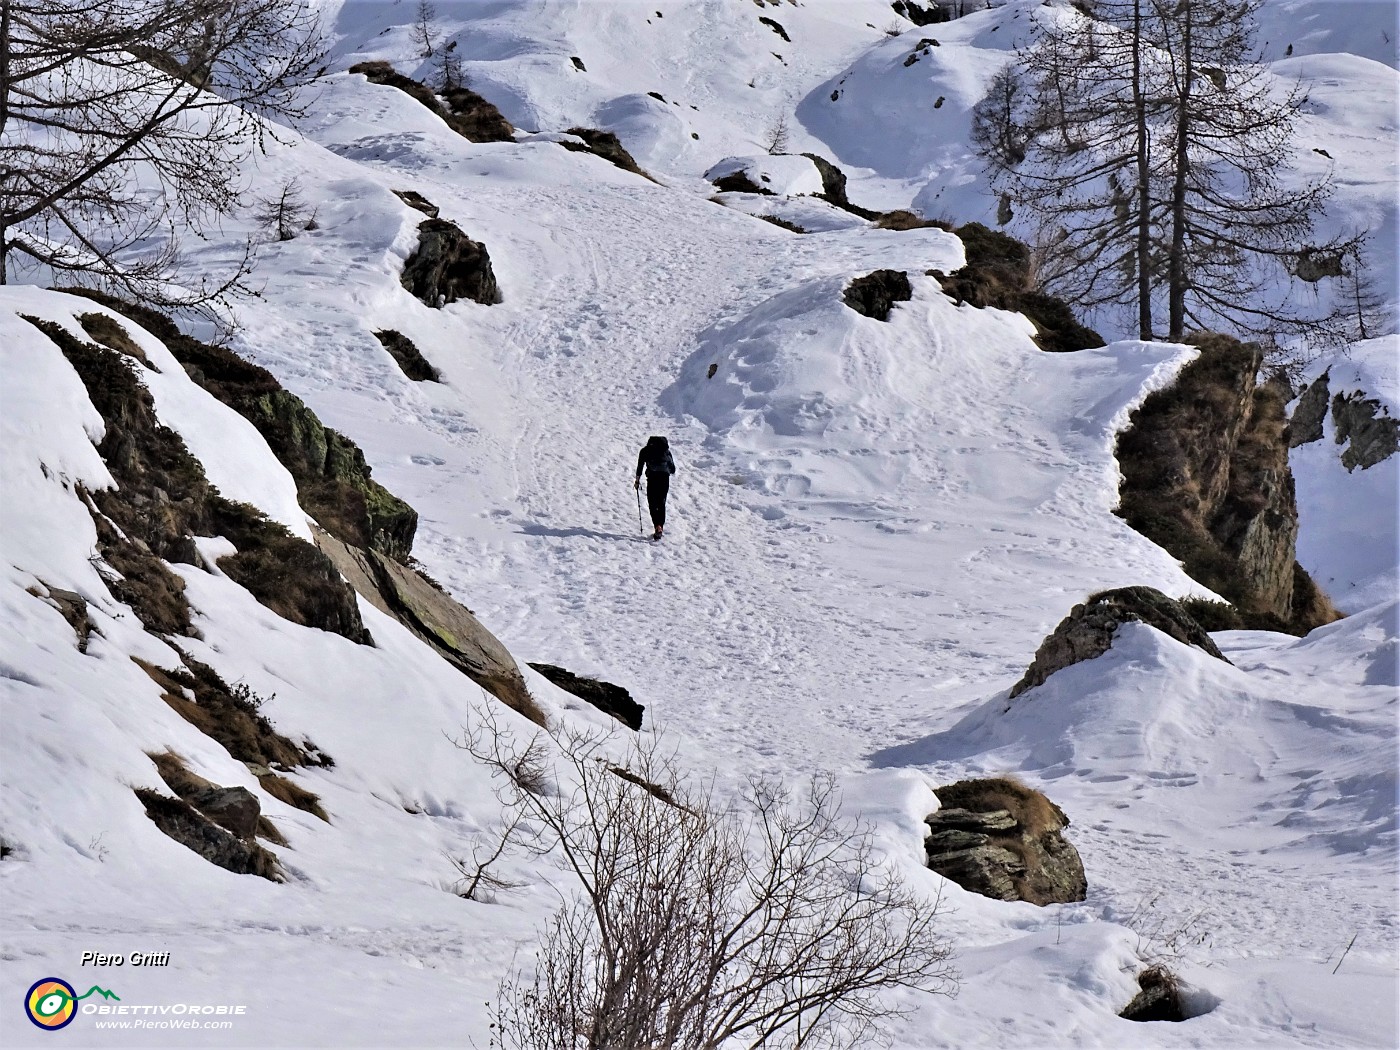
770, 923
102, 100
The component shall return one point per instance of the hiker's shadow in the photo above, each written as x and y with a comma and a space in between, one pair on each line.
592, 534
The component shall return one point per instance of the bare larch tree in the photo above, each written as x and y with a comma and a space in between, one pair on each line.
1152, 150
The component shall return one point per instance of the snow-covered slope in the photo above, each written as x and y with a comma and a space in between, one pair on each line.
873, 526
1349, 534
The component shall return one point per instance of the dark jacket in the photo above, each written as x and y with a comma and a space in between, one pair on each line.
655, 457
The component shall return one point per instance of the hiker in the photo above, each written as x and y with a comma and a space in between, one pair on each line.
655, 459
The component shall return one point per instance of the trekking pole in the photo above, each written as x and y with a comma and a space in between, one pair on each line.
640, 529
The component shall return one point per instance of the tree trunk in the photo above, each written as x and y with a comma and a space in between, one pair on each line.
4, 120
1177, 275
1144, 203
5, 59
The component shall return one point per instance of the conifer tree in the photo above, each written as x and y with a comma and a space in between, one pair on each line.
1152, 151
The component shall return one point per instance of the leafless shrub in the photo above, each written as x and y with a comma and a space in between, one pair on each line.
1166, 937
480, 879
770, 923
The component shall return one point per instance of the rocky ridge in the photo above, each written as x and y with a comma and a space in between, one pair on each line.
1206, 476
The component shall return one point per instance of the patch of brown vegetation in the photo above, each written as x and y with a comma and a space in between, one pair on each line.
1206, 476
474, 118
466, 113
227, 714
998, 274
101, 328
1031, 808
293, 794
164, 500
655, 790
231, 716
154, 593
189, 786
902, 219
378, 72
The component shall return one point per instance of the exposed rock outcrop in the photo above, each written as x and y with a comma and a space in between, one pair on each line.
998, 274
417, 202
920, 14
450, 628
1158, 1000
163, 500
833, 180
367, 533
604, 144
448, 265
875, 294
606, 697
834, 188
192, 829
334, 482
72, 606
1087, 632
776, 26
467, 113
409, 358
1366, 428
1205, 475
1305, 426
739, 182
1001, 839
234, 808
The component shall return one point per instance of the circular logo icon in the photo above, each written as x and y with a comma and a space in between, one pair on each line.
51, 1003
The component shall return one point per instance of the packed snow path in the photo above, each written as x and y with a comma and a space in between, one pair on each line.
848, 490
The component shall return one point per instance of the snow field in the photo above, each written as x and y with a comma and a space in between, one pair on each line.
872, 528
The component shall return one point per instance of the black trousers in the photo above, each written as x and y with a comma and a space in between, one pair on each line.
658, 485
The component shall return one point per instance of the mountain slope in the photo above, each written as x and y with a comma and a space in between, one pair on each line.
873, 526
